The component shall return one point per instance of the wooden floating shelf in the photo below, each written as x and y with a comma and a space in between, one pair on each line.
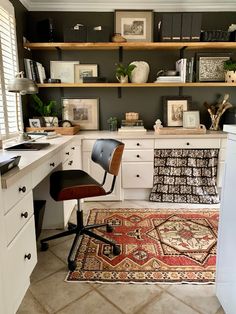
60, 130
132, 85
131, 46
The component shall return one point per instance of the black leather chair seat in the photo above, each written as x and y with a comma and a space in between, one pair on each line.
73, 184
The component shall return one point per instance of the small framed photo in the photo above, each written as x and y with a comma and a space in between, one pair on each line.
173, 109
210, 66
63, 70
35, 123
83, 112
191, 119
85, 70
134, 25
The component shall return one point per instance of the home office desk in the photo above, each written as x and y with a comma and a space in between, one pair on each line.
17, 231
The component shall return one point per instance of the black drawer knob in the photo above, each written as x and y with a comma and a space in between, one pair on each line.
28, 256
70, 162
25, 214
137, 175
67, 153
138, 144
52, 164
188, 143
22, 189
137, 156
73, 148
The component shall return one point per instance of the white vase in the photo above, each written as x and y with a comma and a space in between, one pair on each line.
230, 76
140, 72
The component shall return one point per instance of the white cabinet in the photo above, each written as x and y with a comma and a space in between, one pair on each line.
226, 253
137, 168
97, 173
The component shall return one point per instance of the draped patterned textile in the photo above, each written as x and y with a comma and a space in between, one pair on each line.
185, 176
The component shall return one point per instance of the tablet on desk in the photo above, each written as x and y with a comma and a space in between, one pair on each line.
28, 146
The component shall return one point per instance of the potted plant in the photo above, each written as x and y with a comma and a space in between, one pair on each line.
230, 71
123, 73
112, 122
49, 111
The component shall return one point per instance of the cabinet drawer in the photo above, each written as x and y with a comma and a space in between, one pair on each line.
16, 192
137, 143
187, 143
42, 171
19, 263
138, 155
18, 216
137, 175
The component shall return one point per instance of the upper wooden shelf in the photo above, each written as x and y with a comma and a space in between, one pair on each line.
132, 46
101, 85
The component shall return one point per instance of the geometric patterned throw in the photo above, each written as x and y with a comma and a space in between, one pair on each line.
185, 176
157, 246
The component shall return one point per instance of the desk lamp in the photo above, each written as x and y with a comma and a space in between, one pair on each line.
23, 86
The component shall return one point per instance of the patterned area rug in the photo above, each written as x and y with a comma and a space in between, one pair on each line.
157, 245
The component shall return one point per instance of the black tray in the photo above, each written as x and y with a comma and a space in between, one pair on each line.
28, 146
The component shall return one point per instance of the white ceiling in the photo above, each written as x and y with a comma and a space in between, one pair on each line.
109, 5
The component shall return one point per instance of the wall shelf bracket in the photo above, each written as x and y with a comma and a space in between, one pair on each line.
119, 92
120, 54
59, 53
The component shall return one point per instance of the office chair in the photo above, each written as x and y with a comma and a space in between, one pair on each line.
78, 184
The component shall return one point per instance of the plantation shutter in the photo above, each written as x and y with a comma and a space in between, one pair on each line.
8, 70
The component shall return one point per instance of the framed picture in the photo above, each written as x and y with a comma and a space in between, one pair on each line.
134, 25
210, 66
63, 70
85, 70
191, 119
83, 112
35, 123
173, 109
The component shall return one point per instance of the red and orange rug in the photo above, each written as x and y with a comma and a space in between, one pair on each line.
157, 245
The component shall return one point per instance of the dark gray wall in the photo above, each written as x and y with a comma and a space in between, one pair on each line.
146, 101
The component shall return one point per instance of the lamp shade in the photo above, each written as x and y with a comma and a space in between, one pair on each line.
22, 85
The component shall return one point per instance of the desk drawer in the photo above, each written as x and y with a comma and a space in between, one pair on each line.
18, 216
188, 143
19, 263
138, 144
137, 175
16, 192
138, 155
42, 171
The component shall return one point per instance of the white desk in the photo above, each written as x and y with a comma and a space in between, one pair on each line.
17, 232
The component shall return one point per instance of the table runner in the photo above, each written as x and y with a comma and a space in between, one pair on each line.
185, 176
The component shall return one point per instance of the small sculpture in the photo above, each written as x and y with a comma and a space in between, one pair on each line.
157, 125
216, 111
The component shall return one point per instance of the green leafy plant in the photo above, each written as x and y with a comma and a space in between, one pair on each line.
230, 65
112, 121
122, 70
45, 109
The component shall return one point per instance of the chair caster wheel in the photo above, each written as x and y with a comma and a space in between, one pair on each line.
44, 246
72, 265
71, 226
109, 228
116, 250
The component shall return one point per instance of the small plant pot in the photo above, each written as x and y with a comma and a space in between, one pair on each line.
51, 121
123, 79
230, 76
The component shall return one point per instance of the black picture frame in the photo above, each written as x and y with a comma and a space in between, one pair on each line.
173, 107
210, 66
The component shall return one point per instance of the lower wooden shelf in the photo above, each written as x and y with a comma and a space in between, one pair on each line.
60, 130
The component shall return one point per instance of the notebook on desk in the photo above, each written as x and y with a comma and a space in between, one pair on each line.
6, 165
28, 146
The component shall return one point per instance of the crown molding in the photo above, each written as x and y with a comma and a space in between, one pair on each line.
108, 6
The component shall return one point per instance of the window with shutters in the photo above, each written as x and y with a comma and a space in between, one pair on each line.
8, 69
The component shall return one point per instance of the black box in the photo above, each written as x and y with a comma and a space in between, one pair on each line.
176, 27
96, 36
45, 30
196, 26
166, 27
39, 208
72, 35
186, 26
93, 79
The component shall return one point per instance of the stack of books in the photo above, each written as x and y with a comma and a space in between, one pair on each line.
34, 71
132, 126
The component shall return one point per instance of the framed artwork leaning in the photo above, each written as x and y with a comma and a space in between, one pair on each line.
85, 70
81, 111
134, 25
174, 106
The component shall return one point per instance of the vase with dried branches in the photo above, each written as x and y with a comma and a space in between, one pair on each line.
217, 110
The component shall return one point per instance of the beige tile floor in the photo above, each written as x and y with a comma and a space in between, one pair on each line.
49, 293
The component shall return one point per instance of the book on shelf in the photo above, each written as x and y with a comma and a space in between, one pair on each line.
168, 79
132, 129
181, 66
34, 70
